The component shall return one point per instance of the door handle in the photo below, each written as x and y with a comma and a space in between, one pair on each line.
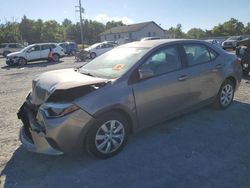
183, 78
219, 66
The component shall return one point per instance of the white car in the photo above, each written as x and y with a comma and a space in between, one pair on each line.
99, 49
35, 52
7, 48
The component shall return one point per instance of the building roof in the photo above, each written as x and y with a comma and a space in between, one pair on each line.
128, 28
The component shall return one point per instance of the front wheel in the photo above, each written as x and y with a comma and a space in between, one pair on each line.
108, 136
22, 61
93, 55
225, 95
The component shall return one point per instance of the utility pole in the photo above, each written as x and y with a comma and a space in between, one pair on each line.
81, 11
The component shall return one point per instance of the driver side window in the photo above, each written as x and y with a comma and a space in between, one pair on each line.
163, 61
34, 48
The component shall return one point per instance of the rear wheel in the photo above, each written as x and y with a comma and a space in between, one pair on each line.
108, 136
56, 57
5, 53
245, 72
225, 95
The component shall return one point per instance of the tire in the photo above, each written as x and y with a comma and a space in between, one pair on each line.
6, 53
225, 95
104, 142
92, 55
245, 72
73, 52
22, 61
56, 57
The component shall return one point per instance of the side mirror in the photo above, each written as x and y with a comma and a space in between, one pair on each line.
145, 73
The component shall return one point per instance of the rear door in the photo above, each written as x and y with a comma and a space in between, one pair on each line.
166, 92
204, 70
45, 51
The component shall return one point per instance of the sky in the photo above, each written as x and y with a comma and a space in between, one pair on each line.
189, 13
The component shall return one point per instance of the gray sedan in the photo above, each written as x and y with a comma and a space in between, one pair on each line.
129, 88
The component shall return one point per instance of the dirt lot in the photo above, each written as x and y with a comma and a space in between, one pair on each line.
205, 148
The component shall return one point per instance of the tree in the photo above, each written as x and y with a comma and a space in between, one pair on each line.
196, 33
177, 31
111, 24
51, 32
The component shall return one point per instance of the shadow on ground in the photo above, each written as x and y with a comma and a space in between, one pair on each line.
205, 148
31, 65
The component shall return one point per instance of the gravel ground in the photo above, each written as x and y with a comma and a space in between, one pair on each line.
205, 148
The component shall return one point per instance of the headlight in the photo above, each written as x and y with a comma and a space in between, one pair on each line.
54, 110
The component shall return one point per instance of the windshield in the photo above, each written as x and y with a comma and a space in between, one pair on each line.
94, 45
234, 38
114, 63
26, 48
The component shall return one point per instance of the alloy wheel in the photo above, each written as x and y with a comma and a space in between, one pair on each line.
226, 95
109, 136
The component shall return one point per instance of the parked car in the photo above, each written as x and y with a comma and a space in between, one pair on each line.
7, 48
231, 43
129, 88
70, 48
150, 38
243, 52
35, 52
214, 42
99, 49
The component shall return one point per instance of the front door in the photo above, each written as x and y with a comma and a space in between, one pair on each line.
33, 53
166, 92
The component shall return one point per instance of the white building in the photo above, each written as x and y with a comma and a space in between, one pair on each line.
134, 32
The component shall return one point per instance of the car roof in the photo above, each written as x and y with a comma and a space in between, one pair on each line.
154, 43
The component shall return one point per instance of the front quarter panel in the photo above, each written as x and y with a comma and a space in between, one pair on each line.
114, 96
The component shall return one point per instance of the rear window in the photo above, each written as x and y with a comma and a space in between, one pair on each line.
12, 46
48, 46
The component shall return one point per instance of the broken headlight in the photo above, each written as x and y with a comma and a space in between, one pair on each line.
54, 110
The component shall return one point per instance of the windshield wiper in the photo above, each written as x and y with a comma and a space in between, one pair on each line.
86, 73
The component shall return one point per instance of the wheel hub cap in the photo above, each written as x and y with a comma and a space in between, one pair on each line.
226, 95
109, 136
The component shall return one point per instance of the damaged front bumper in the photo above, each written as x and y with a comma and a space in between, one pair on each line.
53, 136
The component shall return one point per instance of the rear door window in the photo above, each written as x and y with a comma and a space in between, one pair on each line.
196, 54
2, 45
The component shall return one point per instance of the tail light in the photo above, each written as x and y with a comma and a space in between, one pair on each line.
238, 61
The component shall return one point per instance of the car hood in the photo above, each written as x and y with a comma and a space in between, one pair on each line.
14, 54
63, 86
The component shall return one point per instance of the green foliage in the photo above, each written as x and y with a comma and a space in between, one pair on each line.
111, 24
177, 31
34, 31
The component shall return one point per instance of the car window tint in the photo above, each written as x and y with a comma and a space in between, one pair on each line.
12, 46
35, 48
163, 61
45, 47
196, 54
213, 54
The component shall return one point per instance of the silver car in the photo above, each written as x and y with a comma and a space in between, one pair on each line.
129, 88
